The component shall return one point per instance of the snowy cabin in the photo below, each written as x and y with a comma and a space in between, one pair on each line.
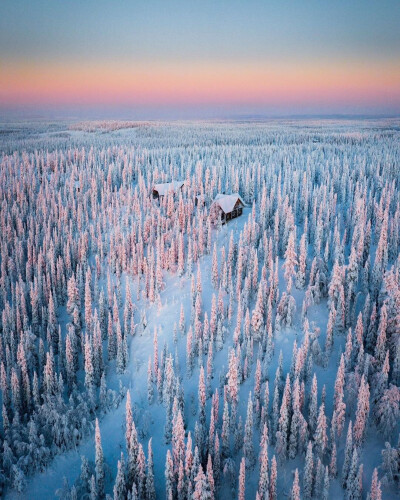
160, 190
227, 206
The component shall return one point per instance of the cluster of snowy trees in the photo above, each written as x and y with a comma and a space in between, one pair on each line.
85, 251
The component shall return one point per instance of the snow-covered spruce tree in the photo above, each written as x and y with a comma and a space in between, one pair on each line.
189, 352
248, 448
295, 491
150, 382
285, 311
233, 384
339, 405
302, 263
133, 452
354, 485
225, 431
387, 413
202, 490
141, 472
178, 441
313, 405
296, 419
181, 482
348, 453
99, 462
263, 482
238, 435
333, 462
242, 480
169, 477
362, 412
320, 435
319, 478
214, 268
290, 261
325, 489
150, 486
257, 318
375, 492
308, 473
120, 484
282, 434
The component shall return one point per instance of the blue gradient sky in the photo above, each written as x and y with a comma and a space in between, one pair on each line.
330, 56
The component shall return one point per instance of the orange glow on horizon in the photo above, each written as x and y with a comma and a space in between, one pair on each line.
198, 83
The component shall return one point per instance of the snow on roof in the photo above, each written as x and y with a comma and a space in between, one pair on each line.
166, 187
227, 202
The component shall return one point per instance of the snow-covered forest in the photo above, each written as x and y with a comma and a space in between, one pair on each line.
149, 351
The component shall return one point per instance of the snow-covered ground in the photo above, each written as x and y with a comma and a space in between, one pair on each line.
318, 183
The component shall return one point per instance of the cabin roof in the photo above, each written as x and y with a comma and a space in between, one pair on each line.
164, 188
227, 202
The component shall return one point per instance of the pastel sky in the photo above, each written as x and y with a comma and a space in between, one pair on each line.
223, 56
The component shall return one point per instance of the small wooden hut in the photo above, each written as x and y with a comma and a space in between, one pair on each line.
227, 206
160, 190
